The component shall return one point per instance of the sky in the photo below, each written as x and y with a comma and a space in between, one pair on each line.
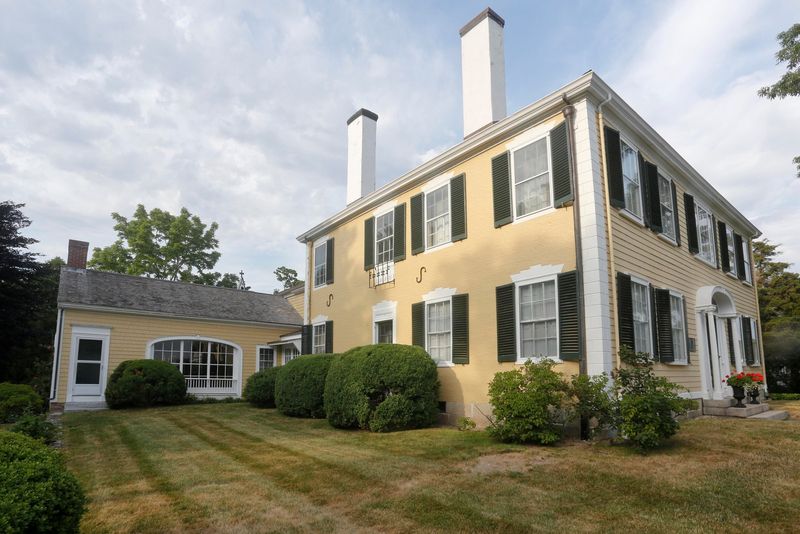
237, 110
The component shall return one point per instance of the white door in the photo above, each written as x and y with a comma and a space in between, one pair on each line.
89, 357
718, 355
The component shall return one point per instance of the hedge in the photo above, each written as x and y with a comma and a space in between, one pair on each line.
142, 383
300, 384
784, 396
260, 388
37, 493
17, 400
382, 388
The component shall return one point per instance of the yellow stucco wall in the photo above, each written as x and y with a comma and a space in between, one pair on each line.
131, 333
476, 265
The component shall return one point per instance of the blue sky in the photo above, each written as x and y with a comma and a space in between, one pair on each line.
237, 110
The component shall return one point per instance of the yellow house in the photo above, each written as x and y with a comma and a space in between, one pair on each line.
563, 230
217, 337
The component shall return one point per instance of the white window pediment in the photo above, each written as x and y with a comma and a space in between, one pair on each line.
439, 293
537, 271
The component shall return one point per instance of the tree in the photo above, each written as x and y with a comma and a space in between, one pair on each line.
161, 245
789, 83
287, 276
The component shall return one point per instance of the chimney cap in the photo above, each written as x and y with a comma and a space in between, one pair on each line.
488, 12
367, 113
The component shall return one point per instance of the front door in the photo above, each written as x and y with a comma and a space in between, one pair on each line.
718, 352
89, 357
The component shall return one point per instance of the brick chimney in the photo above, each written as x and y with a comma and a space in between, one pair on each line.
76, 256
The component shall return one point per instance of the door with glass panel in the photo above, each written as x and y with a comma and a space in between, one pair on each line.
89, 355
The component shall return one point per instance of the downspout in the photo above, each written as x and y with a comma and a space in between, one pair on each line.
306, 287
56, 354
569, 118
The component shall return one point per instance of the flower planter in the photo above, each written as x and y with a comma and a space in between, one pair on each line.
738, 394
753, 393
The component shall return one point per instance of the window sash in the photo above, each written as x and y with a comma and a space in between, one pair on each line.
667, 209
290, 352
384, 331
537, 327
266, 358
438, 322
384, 238
705, 234
197, 358
679, 352
754, 341
731, 250
746, 257
630, 179
532, 178
320, 264
642, 333
318, 344
437, 216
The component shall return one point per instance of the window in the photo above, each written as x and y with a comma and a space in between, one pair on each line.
384, 331
630, 180
642, 336
437, 216
384, 238
731, 250
538, 325
266, 358
667, 208
204, 363
754, 341
320, 262
532, 191
318, 344
679, 352
705, 235
439, 340
746, 257
290, 352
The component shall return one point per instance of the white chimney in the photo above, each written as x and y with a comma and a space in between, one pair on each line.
361, 131
483, 71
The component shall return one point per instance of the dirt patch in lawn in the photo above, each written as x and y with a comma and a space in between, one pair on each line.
509, 462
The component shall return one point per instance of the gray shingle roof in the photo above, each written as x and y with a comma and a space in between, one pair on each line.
135, 293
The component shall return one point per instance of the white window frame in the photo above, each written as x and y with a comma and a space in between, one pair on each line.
237, 355
314, 345
685, 357
748, 263
672, 207
428, 193
258, 356
292, 357
646, 284
731, 243
755, 341
389, 213
384, 311
449, 300
322, 244
518, 285
698, 206
640, 217
514, 184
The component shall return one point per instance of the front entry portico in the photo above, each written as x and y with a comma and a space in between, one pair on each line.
716, 340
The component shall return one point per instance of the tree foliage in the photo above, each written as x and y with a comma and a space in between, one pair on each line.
287, 276
789, 83
161, 245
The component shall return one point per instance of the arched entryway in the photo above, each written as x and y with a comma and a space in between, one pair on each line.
714, 306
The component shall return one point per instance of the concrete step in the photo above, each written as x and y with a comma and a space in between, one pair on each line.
724, 403
748, 411
780, 415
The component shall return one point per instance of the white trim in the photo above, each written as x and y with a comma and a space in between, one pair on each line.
712, 235
385, 208
438, 247
625, 211
89, 333
551, 206
319, 319
534, 215
56, 354
440, 293
436, 183
425, 219
667, 239
648, 300
528, 137
518, 317
537, 271
674, 202
684, 321
638, 221
385, 310
321, 242
258, 356
437, 300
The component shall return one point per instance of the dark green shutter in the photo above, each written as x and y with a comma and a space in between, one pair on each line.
400, 232
329, 262
653, 330
738, 245
417, 223
569, 335
458, 208
369, 243
460, 328
305, 339
675, 215
616, 189
645, 190
691, 222
329, 337
729, 335
559, 158
724, 257
418, 324
501, 189
654, 197
625, 311
506, 324
663, 325
747, 340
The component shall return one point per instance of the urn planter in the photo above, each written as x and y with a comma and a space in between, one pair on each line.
738, 394
753, 393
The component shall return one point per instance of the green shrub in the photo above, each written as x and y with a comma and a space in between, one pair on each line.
646, 404
37, 427
260, 388
465, 423
382, 388
37, 493
300, 384
142, 383
592, 401
784, 396
529, 405
17, 400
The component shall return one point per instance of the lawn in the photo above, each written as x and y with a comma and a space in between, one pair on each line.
233, 468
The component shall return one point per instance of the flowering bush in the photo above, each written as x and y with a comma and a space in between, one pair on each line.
741, 380
756, 380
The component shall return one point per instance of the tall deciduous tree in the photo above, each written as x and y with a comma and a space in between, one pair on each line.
159, 244
287, 276
789, 83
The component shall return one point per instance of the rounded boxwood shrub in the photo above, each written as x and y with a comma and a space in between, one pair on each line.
141, 383
37, 493
260, 388
300, 384
17, 400
382, 388
37, 427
